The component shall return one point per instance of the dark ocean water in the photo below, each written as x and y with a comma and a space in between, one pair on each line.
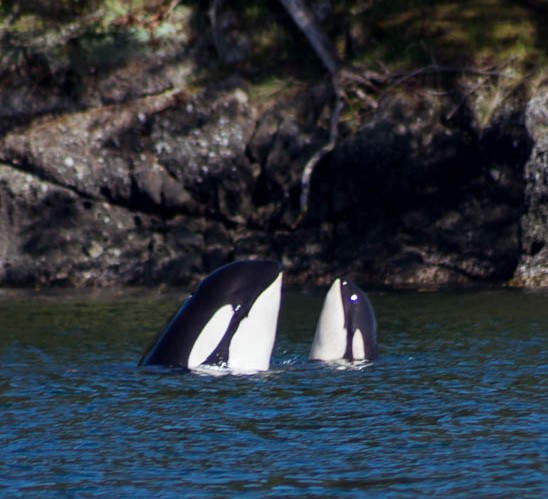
456, 405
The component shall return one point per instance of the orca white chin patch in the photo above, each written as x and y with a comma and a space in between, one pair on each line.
252, 344
330, 338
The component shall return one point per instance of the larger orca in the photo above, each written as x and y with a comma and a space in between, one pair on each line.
229, 321
347, 327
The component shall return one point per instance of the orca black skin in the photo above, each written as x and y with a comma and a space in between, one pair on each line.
238, 285
358, 315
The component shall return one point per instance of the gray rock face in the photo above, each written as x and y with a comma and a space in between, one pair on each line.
126, 194
416, 199
165, 188
154, 182
533, 267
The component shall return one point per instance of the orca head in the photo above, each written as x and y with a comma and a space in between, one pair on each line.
230, 320
347, 328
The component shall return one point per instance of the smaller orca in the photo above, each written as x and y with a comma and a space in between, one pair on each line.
347, 328
230, 321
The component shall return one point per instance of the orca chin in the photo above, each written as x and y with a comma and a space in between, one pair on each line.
230, 321
347, 328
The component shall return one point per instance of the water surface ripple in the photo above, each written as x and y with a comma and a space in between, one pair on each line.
455, 405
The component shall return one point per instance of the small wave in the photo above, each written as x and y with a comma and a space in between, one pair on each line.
350, 365
222, 370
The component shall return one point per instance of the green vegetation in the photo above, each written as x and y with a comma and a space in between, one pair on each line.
47, 25
396, 35
480, 33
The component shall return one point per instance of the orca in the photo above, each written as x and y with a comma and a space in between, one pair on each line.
229, 321
347, 327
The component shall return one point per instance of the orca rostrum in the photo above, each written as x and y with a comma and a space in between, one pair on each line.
347, 327
229, 321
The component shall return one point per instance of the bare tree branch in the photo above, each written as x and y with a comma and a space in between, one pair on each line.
305, 19
213, 13
315, 159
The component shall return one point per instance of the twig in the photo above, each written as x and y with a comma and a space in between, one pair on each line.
162, 15
453, 111
434, 68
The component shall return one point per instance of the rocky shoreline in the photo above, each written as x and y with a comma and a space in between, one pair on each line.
145, 178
